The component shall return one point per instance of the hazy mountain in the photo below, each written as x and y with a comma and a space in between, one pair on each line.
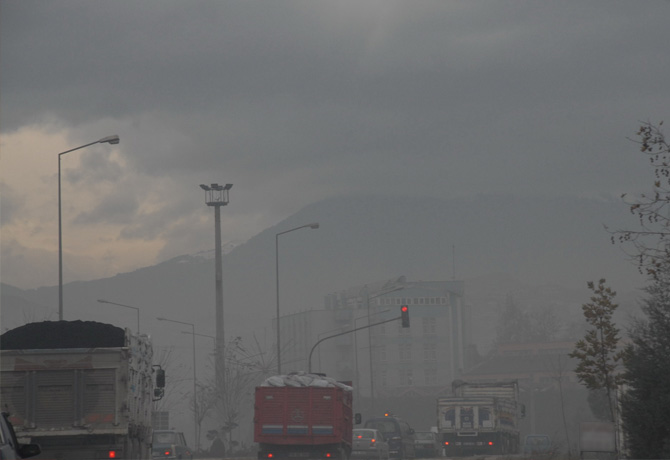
539, 249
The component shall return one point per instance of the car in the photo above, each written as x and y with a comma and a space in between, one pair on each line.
426, 444
10, 448
537, 444
369, 443
170, 444
397, 433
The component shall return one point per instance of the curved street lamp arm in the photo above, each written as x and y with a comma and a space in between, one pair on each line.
343, 333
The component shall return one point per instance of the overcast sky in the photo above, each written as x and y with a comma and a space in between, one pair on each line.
296, 101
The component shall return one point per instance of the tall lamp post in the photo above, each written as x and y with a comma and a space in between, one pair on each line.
217, 195
195, 386
105, 140
313, 225
126, 306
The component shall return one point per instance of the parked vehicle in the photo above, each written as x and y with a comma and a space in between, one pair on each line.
397, 433
80, 390
303, 415
537, 444
170, 444
426, 444
480, 418
369, 443
10, 449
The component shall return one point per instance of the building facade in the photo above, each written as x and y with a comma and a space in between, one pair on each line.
381, 358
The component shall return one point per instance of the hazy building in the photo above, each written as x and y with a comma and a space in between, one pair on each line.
384, 360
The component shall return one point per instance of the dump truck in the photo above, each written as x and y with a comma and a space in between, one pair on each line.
303, 415
480, 418
80, 389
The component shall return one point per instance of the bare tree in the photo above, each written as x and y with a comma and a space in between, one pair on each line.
174, 387
243, 371
651, 241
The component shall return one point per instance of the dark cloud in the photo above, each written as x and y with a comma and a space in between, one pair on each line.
296, 101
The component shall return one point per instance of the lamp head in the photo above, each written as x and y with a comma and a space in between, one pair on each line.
204, 187
314, 225
110, 139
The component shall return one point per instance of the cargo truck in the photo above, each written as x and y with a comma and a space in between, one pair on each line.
480, 418
307, 416
80, 390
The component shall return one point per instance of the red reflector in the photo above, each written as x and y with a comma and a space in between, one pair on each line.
328, 455
373, 441
166, 453
446, 443
490, 443
270, 455
112, 454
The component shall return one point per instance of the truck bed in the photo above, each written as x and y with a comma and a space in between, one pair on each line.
302, 415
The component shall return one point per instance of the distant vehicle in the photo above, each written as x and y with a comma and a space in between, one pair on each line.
480, 419
397, 433
10, 448
170, 444
369, 443
535, 444
427, 445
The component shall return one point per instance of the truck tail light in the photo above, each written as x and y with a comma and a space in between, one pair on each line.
111, 454
446, 443
490, 443
270, 455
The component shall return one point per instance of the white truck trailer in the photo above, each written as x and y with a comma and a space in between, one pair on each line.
480, 418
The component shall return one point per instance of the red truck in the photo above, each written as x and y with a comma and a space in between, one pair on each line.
310, 421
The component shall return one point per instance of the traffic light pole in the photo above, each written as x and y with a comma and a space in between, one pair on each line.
348, 332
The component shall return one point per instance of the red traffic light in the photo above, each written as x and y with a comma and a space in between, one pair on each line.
404, 316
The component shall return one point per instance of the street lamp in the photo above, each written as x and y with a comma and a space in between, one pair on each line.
313, 225
105, 140
195, 393
217, 195
126, 306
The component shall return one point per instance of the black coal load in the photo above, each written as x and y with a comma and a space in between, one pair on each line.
62, 334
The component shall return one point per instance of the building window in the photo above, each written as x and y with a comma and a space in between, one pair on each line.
429, 325
405, 351
430, 376
429, 352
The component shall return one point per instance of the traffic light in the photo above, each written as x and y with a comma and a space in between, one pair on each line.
404, 316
